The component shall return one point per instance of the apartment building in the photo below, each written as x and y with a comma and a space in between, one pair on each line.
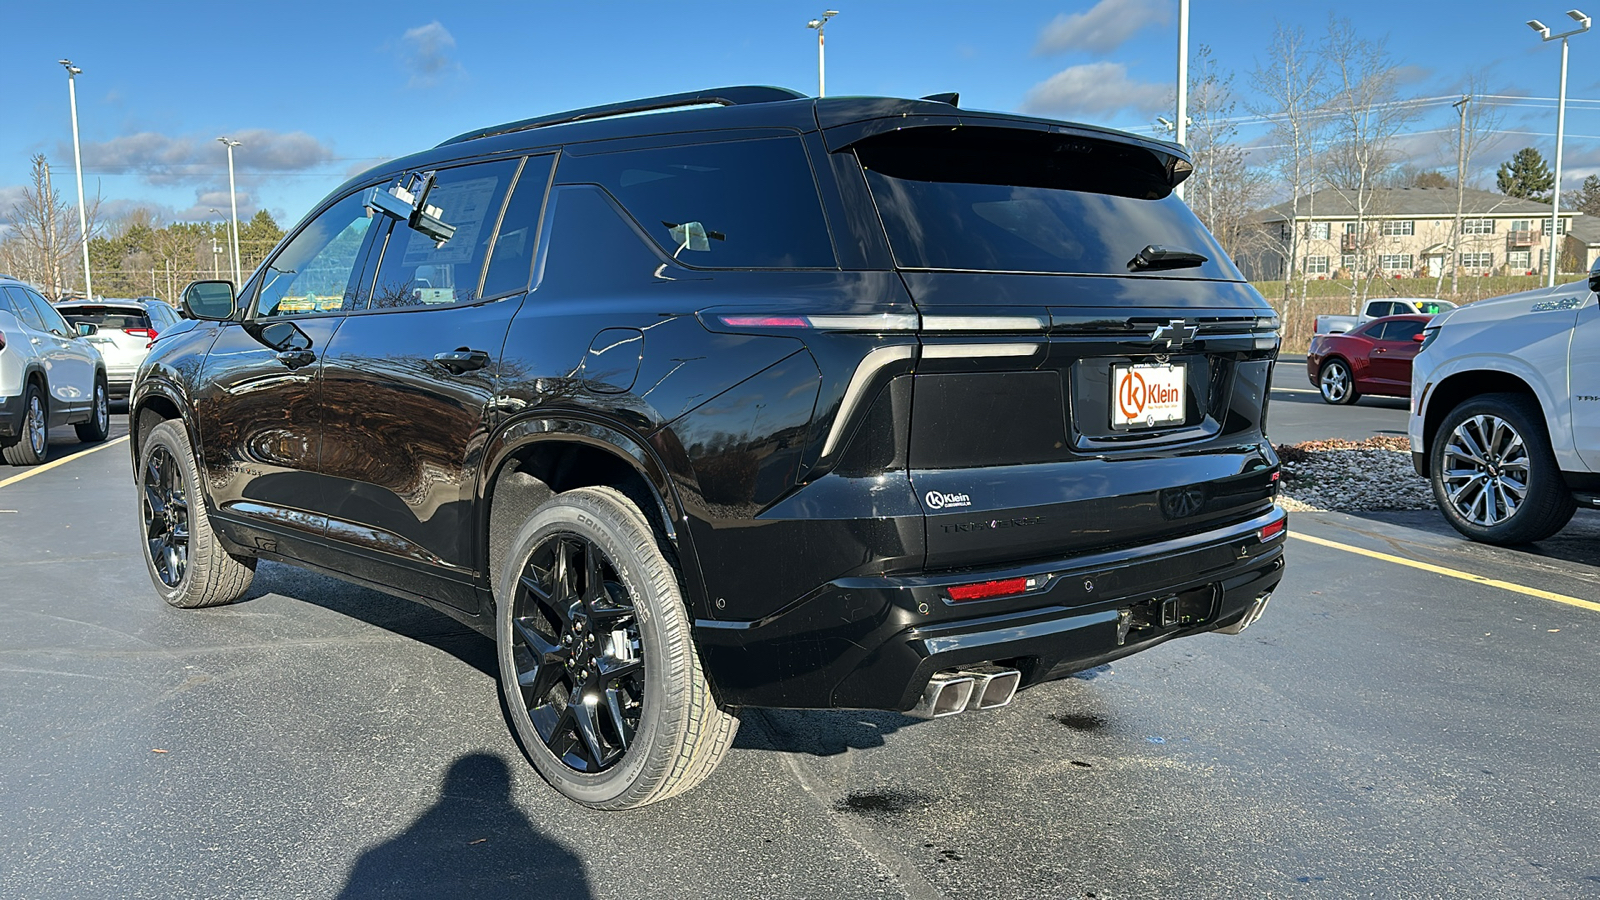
1408, 233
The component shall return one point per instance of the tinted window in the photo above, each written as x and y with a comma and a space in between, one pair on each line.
1402, 330
994, 199
24, 310
511, 263
741, 204
315, 269
53, 322
415, 270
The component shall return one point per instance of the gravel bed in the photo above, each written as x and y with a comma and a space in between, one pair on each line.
1351, 475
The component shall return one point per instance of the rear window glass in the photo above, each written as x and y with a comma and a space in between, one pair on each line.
1008, 200
737, 205
105, 317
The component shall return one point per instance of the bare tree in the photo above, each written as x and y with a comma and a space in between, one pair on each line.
1223, 191
42, 246
1292, 85
1479, 121
1366, 115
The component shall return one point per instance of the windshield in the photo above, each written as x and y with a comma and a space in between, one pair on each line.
1005, 200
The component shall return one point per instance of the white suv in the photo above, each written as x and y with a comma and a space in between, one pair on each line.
1505, 401
49, 375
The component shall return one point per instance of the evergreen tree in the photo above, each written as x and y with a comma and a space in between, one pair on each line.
1585, 199
1526, 176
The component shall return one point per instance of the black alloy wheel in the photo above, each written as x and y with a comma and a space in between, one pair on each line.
166, 517
578, 656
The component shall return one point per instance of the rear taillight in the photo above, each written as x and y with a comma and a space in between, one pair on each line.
148, 334
885, 322
2, 340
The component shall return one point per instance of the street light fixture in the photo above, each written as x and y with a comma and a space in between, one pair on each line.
1553, 260
77, 158
820, 24
233, 200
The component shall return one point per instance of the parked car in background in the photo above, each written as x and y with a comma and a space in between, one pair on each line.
763, 400
1375, 359
126, 328
49, 375
1505, 400
1377, 309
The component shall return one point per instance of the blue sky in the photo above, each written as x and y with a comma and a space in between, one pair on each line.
318, 91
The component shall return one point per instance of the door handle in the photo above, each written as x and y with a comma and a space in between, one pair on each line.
461, 360
294, 359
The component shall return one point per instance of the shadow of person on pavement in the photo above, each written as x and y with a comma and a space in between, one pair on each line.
473, 842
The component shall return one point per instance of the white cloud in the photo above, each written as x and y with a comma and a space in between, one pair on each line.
1100, 87
165, 159
1105, 27
428, 53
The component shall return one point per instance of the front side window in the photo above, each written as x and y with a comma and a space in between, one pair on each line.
1402, 330
53, 322
736, 205
23, 309
415, 270
315, 270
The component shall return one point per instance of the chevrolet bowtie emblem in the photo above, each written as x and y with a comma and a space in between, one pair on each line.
1175, 333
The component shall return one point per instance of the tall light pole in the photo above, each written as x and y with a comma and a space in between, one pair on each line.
1182, 120
233, 201
819, 24
77, 158
1553, 260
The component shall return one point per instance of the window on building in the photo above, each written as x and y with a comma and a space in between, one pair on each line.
1316, 265
1477, 226
1476, 260
1520, 260
1561, 226
1521, 225
1349, 228
1347, 261
1393, 227
1318, 231
1395, 262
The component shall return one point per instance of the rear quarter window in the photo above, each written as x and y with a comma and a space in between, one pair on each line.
738, 204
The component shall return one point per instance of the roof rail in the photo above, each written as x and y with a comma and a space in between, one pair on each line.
725, 96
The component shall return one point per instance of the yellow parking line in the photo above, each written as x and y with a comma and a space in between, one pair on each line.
1452, 573
60, 462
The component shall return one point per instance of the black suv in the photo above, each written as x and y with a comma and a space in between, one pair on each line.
759, 400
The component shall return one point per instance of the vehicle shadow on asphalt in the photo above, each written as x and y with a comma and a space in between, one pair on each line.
394, 614
473, 842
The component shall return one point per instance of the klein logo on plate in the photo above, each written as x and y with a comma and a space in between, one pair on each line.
1146, 395
941, 500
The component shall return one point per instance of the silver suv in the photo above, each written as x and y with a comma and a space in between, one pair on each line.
126, 330
49, 375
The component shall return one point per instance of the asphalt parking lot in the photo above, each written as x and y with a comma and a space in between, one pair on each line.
1385, 730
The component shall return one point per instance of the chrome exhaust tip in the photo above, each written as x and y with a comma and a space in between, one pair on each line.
993, 686
947, 693
1250, 616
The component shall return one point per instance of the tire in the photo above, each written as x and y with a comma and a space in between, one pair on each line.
1336, 383
98, 428
652, 729
33, 445
185, 559
1493, 474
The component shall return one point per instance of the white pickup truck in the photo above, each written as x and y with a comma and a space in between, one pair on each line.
1505, 400
1377, 309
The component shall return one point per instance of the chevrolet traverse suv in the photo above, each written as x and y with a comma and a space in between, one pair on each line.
760, 400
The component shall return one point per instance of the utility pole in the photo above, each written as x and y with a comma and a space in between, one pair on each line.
1181, 122
819, 24
1461, 192
77, 158
50, 235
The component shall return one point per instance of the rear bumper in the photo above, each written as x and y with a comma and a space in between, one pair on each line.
119, 380
873, 643
11, 415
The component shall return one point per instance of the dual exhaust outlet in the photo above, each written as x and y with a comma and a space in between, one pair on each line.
958, 690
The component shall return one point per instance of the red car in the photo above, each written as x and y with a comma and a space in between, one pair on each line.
1372, 359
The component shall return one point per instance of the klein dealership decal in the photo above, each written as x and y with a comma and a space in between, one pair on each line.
1151, 401
941, 500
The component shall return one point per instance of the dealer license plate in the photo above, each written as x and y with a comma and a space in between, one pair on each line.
1148, 395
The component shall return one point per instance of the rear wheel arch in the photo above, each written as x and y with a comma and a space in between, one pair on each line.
534, 459
1462, 386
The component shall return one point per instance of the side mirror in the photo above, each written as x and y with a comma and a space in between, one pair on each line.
1419, 337
87, 329
211, 300
1594, 276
